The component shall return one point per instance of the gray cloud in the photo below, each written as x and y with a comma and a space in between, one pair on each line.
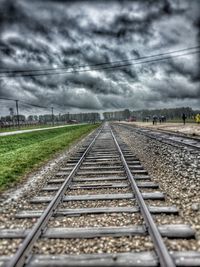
43, 34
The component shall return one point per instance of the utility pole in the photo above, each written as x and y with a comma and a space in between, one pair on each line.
59, 121
52, 116
17, 108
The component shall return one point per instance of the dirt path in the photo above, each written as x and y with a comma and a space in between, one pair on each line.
38, 129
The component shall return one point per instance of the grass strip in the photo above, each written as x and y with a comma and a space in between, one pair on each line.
19, 154
11, 143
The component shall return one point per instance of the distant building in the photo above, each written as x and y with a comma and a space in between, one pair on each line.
132, 118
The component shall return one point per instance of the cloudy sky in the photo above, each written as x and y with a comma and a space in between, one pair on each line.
56, 34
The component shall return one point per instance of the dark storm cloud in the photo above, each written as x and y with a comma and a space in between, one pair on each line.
187, 70
179, 88
42, 34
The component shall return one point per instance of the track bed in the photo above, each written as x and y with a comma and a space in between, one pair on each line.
101, 209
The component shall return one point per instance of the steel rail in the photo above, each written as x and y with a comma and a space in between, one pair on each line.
165, 259
22, 254
151, 134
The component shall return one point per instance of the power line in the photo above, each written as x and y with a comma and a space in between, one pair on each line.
33, 105
12, 71
29, 104
98, 69
38, 106
5, 98
11, 99
23, 102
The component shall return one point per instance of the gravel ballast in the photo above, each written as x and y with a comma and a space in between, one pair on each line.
177, 171
95, 245
97, 220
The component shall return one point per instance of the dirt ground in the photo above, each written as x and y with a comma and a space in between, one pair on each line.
190, 128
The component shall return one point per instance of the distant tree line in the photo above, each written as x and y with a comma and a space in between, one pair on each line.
117, 115
79, 117
49, 118
169, 113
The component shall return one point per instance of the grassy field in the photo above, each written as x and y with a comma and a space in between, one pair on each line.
19, 154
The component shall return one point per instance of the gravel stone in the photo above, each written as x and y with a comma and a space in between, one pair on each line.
7, 248
195, 206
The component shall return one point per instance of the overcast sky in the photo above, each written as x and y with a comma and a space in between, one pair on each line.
42, 34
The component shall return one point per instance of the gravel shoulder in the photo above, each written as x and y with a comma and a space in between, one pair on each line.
177, 171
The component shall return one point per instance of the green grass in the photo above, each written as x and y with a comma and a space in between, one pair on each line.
20, 154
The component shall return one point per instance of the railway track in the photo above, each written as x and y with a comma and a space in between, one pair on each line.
189, 143
104, 180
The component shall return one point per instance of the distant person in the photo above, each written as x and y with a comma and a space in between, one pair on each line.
146, 119
164, 119
197, 118
155, 118
184, 117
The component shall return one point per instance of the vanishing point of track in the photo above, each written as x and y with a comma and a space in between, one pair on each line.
106, 162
